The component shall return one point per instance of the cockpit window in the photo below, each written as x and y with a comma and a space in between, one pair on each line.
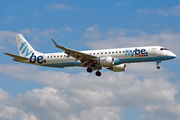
163, 49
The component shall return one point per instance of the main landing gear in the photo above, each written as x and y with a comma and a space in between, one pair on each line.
98, 73
89, 70
158, 67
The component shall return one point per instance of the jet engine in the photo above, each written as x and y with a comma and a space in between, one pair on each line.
118, 68
106, 61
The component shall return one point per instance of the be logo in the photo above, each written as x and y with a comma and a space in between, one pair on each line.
137, 52
39, 59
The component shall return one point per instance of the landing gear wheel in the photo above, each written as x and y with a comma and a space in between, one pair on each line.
89, 69
98, 73
158, 67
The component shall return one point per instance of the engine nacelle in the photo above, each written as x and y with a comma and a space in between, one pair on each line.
106, 61
118, 68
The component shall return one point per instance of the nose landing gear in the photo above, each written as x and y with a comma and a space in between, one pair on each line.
158, 67
158, 61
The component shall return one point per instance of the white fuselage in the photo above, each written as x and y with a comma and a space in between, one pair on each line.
121, 55
113, 59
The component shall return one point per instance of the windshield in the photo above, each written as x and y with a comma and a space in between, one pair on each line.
163, 49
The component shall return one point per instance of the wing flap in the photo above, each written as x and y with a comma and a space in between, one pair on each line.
17, 57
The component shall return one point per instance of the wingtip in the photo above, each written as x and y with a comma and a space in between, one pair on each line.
6, 53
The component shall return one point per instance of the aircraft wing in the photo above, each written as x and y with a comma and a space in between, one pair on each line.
76, 54
17, 57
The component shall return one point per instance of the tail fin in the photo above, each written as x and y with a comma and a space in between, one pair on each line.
24, 48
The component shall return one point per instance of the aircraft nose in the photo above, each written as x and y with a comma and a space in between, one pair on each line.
173, 55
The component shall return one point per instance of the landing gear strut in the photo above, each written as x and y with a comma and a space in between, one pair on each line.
158, 67
98, 73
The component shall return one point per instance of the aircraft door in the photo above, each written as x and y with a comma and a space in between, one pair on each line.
154, 51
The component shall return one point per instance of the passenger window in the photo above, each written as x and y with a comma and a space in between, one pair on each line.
61, 55
123, 51
101, 53
119, 51
94, 53
47, 56
105, 52
98, 53
112, 52
64, 55
109, 52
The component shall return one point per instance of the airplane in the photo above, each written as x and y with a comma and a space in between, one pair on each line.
112, 59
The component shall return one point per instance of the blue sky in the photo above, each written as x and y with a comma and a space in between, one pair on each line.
140, 93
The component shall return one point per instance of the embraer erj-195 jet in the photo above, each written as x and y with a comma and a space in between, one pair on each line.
112, 59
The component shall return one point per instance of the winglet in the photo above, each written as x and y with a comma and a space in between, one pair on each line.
54, 42
58, 46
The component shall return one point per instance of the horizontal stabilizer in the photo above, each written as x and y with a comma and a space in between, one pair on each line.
17, 57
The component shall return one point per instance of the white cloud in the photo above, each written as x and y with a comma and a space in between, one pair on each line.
12, 113
140, 69
37, 13
101, 113
76, 96
102, 97
145, 11
92, 32
35, 34
49, 103
47, 97
57, 6
155, 25
6, 36
162, 111
3, 95
83, 95
10, 18
8, 111
68, 29
122, 3
119, 38
173, 11
90, 84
